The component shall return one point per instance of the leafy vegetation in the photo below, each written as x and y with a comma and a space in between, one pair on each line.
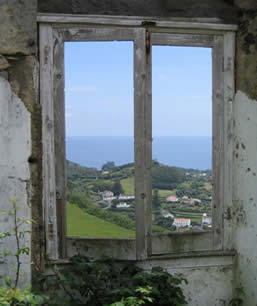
165, 177
109, 166
104, 282
117, 188
141, 296
10, 294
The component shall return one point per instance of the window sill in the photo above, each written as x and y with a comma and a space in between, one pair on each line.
183, 246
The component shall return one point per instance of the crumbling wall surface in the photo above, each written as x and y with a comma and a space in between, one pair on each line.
209, 279
244, 213
223, 9
15, 146
20, 130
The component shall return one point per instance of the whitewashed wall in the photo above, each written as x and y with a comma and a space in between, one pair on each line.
245, 197
15, 148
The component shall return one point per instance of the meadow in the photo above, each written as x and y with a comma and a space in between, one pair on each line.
82, 224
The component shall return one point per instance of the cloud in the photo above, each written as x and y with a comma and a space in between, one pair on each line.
81, 89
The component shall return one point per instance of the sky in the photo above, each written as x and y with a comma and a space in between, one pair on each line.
99, 90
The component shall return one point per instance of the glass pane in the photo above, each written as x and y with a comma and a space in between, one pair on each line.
182, 138
99, 139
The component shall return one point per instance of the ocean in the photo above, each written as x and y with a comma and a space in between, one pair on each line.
185, 152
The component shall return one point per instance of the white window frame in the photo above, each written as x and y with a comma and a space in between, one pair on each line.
144, 32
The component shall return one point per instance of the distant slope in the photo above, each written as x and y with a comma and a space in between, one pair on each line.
128, 185
75, 170
79, 223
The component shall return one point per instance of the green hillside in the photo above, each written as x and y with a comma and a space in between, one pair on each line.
128, 185
81, 224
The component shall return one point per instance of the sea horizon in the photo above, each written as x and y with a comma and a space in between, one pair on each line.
179, 151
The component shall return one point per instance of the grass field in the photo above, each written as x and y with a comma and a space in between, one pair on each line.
166, 193
128, 185
81, 224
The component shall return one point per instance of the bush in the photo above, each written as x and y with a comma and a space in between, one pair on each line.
103, 282
15, 296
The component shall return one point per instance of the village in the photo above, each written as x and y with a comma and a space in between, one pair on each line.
124, 201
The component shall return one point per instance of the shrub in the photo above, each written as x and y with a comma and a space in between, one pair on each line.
103, 282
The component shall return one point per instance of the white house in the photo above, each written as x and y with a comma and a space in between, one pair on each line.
123, 205
206, 220
126, 197
181, 222
172, 199
107, 195
166, 214
197, 201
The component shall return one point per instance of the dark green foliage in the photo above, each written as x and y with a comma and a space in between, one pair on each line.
164, 222
75, 171
102, 185
109, 166
103, 282
165, 177
78, 199
115, 202
236, 302
117, 188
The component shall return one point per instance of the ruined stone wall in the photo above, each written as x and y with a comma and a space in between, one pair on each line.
20, 127
245, 157
20, 132
223, 9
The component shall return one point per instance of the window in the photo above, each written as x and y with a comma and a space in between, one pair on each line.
144, 34
99, 137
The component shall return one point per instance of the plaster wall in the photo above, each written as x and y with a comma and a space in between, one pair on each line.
209, 278
15, 148
19, 132
244, 211
245, 197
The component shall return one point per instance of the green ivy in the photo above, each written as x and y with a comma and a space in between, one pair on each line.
104, 282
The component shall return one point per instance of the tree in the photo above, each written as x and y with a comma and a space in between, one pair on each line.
110, 165
156, 199
117, 188
165, 177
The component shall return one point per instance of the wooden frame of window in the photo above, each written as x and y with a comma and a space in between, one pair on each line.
54, 31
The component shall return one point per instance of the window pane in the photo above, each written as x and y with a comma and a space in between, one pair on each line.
182, 138
99, 139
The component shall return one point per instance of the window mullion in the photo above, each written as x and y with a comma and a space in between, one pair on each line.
59, 129
142, 124
218, 142
48, 164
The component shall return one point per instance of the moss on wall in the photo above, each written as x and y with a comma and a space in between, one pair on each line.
246, 54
